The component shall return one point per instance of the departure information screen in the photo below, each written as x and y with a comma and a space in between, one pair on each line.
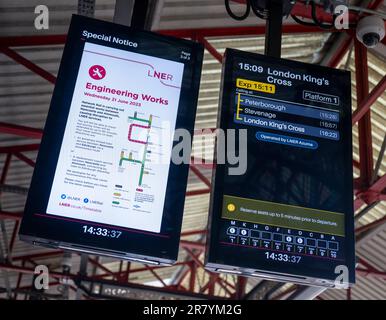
104, 166
290, 213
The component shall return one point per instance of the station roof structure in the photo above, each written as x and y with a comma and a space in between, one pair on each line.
29, 61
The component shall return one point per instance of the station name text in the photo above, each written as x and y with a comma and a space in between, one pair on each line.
283, 77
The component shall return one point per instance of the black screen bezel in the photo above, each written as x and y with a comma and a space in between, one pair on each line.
37, 225
217, 257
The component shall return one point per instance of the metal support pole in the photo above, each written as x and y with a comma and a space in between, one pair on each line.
86, 8
263, 290
379, 160
364, 107
5, 274
127, 272
240, 287
82, 273
28, 64
212, 283
136, 13
306, 293
361, 213
192, 279
66, 266
123, 11
273, 31
140, 12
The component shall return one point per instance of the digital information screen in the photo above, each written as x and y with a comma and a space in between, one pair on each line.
289, 215
104, 179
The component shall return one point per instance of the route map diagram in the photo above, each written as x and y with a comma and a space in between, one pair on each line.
145, 143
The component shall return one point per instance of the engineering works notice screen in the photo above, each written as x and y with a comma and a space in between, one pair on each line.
114, 160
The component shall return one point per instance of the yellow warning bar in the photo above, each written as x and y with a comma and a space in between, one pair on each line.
255, 85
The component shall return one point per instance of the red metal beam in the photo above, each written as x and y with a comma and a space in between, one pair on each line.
375, 4
365, 105
210, 284
42, 255
370, 225
156, 275
192, 279
197, 192
240, 287
364, 125
302, 10
355, 163
102, 267
20, 148
21, 269
126, 275
212, 50
3, 178
358, 202
340, 53
367, 265
198, 173
379, 185
22, 131
14, 235
199, 162
24, 41
195, 257
213, 277
225, 286
183, 276
236, 31
191, 245
58, 275
344, 47
375, 192
348, 294
25, 159
10, 215
366, 273
192, 232
19, 277
52, 274
4, 172
119, 275
28, 64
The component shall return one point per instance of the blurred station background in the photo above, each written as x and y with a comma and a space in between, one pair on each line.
29, 61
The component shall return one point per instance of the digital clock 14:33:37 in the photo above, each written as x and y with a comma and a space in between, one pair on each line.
103, 232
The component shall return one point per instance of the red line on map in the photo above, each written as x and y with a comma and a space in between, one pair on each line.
131, 128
